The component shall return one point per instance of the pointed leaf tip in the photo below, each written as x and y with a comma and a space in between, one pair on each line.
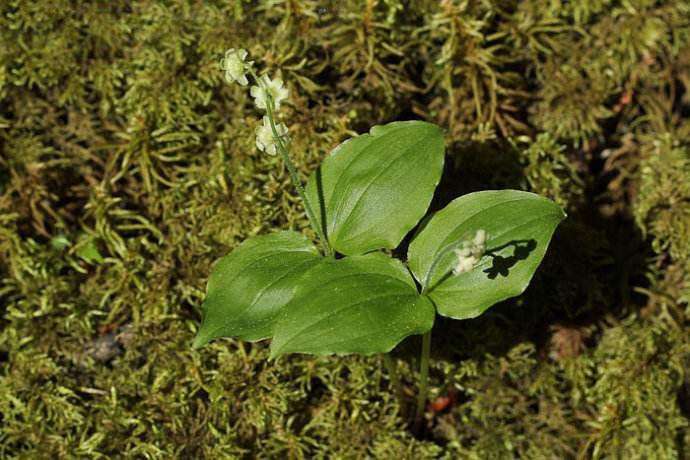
199, 342
361, 304
373, 189
519, 226
248, 287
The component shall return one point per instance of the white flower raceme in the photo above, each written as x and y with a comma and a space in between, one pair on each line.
465, 263
480, 239
264, 136
470, 253
235, 66
267, 87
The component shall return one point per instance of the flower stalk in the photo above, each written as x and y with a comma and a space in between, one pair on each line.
268, 94
295, 179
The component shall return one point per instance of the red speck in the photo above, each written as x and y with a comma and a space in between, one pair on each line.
442, 403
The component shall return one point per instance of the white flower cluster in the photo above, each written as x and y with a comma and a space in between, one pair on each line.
268, 94
265, 141
470, 253
235, 66
267, 91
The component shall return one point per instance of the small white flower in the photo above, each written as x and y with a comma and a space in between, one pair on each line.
470, 253
480, 238
235, 66
267, 87
464, 252
264, 136
464, 263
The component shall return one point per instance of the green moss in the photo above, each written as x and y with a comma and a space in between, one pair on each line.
120, 141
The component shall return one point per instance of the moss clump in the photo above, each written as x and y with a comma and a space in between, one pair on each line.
127, 167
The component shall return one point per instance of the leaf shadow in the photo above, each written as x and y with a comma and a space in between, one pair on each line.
589, 275
501, 265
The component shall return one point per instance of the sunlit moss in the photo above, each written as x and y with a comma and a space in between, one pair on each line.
118, 135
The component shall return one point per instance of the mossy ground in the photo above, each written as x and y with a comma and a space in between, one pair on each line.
127, 167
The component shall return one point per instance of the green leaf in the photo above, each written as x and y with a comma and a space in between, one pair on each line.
359, 304
519, 226
60, 242
249, 286
89, 253
374, 188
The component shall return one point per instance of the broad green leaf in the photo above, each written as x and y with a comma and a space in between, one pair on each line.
519, 227
249, 286
359, 304
374, 188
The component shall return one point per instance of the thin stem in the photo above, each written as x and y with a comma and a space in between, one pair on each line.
395, 379
423, 380
295, 180
291, 167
